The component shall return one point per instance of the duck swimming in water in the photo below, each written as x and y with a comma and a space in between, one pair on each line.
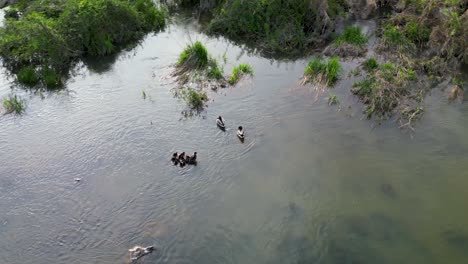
240, 133
192, 159
220, 123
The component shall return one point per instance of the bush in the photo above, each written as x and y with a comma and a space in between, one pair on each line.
323, 71
13, 104
27, 75
194, 56
51, 34
239, 71
352, 35
370, 64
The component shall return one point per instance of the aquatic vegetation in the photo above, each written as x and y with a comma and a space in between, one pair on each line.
194, 56
332, 99
322, 71
352, 35
239, 71
214, 72
51, 35
370, 64
384, 89
195, 99
13, 104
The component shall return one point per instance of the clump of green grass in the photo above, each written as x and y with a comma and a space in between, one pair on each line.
214, 72
352, 35
417, 32
194, 99
13, 104
239, 71
194, 56
323, 71
370, 64
28, 76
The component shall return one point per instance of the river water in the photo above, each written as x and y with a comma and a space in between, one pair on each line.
312, 183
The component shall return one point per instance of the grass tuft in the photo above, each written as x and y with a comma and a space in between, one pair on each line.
193, 98
352, 35
194, 56
323, 71
370, 64
214, 72
14, 104
239, 71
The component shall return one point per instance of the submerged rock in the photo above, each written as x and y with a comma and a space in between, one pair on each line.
388, 190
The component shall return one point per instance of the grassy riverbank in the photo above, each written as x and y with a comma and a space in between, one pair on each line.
44, 38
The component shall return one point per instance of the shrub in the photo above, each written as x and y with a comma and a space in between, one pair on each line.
194, 56
27, 75
13, 104
239, 71
323, 71
352, 35
370, 64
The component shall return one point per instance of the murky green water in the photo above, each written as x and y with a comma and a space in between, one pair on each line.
311, 184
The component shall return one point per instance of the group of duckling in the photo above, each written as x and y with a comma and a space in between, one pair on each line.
222, 125
182, 159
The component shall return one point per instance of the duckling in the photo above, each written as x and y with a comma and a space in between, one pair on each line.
182, 156
174, 158
240, 132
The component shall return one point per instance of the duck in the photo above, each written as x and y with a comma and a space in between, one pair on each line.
240, 133
138, 251
220, 122
175, 159
192, 159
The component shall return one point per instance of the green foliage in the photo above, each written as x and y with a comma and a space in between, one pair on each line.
51, 34
27, 75
13, 104
384, 88
193, 98
214, 72
276, 26
394, 36
194, 56
323, 71
239, 71
352, 35
370, 64
51, 78
417, 32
